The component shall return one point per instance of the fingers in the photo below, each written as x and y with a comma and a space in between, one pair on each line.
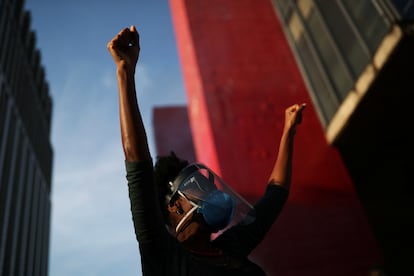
116, 42
298, 107
294, 113
123, 38
299, 113
134, 35
127, 37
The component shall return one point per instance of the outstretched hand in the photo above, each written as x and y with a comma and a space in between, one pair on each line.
293, 117
124, 48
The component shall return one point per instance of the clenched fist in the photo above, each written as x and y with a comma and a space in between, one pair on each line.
124, 48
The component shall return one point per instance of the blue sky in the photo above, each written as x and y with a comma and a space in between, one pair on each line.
91, 227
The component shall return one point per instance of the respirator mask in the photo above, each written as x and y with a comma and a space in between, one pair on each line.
211, 198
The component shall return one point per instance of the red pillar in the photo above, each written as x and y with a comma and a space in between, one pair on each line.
172, 132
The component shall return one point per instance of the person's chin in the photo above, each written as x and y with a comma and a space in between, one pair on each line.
188, 231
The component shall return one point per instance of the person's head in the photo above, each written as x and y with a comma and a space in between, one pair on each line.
175, 208
166, 169
190, 199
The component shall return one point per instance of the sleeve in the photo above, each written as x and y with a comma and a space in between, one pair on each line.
243, 238
146, 213
161, 253
269, 207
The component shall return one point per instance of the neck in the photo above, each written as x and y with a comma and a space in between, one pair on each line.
200, 244
212, 251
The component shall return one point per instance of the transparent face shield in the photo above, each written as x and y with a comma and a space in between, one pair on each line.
219, 205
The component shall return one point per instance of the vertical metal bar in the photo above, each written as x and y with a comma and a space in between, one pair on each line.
28, 198
8, 196
14, 262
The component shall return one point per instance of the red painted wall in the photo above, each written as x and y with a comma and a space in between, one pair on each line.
172, 132
240, 75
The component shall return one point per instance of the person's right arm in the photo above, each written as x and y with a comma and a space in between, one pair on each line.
124, 48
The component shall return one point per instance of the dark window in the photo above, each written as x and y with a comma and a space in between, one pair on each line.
370, 22
344, 32
405, 8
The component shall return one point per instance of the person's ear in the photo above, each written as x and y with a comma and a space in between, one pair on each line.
171, 208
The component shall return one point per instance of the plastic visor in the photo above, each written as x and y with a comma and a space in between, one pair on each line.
219, 204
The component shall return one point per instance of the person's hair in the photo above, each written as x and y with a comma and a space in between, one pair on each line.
166, 169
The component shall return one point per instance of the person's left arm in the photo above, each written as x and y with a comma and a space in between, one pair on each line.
243, 238
282, 169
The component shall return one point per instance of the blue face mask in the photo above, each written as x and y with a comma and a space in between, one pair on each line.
218, 204
217, 209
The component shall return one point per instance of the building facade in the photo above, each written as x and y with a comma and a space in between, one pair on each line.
25, 149
245, 61
356, 58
